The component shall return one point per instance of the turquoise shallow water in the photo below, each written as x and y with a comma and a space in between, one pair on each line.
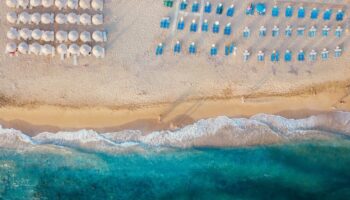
303, 170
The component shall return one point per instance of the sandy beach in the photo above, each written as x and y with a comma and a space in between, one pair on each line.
132, 88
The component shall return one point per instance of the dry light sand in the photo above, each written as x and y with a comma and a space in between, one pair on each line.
132, 88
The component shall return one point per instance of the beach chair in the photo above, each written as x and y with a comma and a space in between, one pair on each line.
288, 56
219, 9
205, 26
193, 26
230, 11
340, 15
246, 55
261, 56
313, 56
183, 5
289, 11
262, 31
300, 31
312, 31
288, 32
98, 51
337, 52
165, 23
177, 47
207, 7
261, 8
213, 50
23, 48
325, 31
159, 49
324, 54
192, 49
250, 9
275, 31
275, 11
195, 7
301, 56
227, 30
168, 3
301, 12
338, 32
314, 13
216, 27
181, 24
246, 32
275, 57
327, 14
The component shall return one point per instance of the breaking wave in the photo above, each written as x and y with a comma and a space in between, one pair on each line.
214, 132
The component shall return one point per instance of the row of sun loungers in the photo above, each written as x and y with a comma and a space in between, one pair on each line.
231, 49
59, 4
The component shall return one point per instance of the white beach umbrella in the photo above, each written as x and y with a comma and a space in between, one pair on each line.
47, 3
61, 36
23, 3
85, 50
97, 5
11, 3
60, 4
11, 47
73, 36
23, 48
37, 34
74, 49
85, 19
97, 19
35, 48
85, 4
47, 18
98, 51
73, 4
97, 36
24, 18
48, 36
35, 18
12, 34
73, 18
47, 49
62, 49
61, 18
12, 17
85, 36
35, 3
25, 33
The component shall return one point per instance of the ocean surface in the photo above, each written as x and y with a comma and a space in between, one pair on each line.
305, 159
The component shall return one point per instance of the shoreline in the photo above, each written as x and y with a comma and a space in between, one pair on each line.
33, 119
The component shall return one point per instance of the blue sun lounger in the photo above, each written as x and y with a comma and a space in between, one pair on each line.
213, 50
275, 56
327, 15
177, 47
314, 13
261, 56
159, 49
205, 26
262, 31
312, 31
340, 15
165, 23
288, 56
250, 9
325, 31
195, 7
246, 32
313, 55
227, 30
183, 5
216, 27
207, 7
324, 54
337, 52
192, 49
193, 26
301, 12
229, 49
301, 56
181, 24
230, 11
289, 11
261, 8
339, 32
275, 11
288, 32
275, 31
219, 9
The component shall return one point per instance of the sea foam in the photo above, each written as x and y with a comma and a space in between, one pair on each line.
219, 131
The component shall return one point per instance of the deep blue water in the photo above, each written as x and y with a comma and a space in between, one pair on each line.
304, 170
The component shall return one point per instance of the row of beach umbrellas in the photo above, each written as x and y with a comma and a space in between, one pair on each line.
51, 18
58, 36
59, 4
63, 50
